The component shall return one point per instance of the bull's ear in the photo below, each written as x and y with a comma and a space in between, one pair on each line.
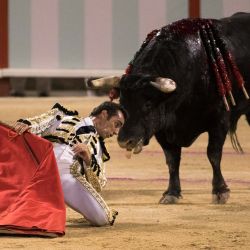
110, 81
165, 85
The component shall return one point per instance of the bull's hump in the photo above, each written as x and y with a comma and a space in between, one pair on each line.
184, 27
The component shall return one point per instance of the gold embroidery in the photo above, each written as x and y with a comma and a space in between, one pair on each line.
92, 179
64, 134
40, 123
74, 170
98, 181
65, 131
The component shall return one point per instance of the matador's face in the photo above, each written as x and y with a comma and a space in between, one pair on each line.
107, 127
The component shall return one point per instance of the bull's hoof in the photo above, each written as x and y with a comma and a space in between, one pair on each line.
220, 198
169, 199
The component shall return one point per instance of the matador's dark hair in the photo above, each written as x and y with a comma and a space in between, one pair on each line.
112, 109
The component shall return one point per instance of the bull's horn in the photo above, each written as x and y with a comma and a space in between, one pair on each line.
165, 85
109, 81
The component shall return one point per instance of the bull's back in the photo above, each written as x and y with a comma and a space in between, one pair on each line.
236, 30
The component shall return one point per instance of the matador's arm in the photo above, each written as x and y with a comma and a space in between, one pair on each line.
41, 124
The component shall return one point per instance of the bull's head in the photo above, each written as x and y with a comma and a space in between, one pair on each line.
165, 85
141, 96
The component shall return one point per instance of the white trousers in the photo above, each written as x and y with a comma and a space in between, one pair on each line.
82, 198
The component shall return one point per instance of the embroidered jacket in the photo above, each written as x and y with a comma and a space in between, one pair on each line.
64, 126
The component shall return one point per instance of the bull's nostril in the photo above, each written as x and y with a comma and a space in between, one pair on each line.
130, 143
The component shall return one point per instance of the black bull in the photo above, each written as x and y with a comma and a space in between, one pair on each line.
208, 60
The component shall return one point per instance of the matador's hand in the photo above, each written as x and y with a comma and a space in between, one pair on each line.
82, 151
20, 127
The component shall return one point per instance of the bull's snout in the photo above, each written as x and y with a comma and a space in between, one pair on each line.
130, 139
131, 145
128, 144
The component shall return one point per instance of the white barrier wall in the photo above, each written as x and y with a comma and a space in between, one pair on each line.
93, 34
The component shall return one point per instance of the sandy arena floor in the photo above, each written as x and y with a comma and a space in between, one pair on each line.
135, 185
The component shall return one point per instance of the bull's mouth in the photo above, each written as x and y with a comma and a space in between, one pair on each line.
135, 150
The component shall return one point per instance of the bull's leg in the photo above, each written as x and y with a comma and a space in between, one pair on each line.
173, 193
220, 189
